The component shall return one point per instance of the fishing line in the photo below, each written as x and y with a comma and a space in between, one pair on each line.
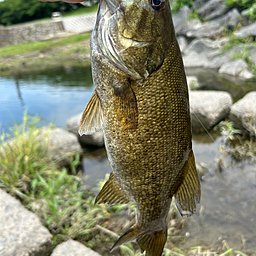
203, 126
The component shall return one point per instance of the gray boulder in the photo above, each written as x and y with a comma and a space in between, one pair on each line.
219, 60
96, 139
180, 18
212, 9
249, 30
243, 113
199, 52
183, 43
236, 68
21, 233
208, 108
233, 17
209, 29
62, 145
199, 3
73, 248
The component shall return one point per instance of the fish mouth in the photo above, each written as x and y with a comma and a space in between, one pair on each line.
110, 41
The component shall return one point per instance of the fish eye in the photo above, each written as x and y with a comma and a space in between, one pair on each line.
158, 4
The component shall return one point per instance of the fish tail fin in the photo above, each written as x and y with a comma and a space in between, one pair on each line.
150, 241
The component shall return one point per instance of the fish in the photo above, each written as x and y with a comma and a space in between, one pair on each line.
141, 103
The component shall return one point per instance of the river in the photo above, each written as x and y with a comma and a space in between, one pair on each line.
227, 210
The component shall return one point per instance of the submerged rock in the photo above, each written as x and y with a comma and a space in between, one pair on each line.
73, 248
96, 139
208, 108
21, 233
243, 113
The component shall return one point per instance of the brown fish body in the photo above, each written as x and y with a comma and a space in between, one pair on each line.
144, 109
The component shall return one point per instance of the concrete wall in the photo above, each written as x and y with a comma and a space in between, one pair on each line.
29, 33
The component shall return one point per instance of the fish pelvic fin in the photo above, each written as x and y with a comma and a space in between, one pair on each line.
92, 116
150, 241
112, 193
189, 192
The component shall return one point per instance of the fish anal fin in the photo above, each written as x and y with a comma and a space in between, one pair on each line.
112, 193
126, 105
150, 241
92, 116
189, 192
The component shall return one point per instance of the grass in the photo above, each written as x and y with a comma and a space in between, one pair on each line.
239, 147
12, 50
56, 195
82, 10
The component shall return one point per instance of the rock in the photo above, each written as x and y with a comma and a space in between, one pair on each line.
199, 52
183, 43
234, 68
180, 18
212, 9
246, 74
247, 31
218, 61
243, 111
233, 18
199, 3
192, 82
73, 248
208, 108
21, 233
96, 139
62, 145
209, 29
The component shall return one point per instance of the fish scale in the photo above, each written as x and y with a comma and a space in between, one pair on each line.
141, 100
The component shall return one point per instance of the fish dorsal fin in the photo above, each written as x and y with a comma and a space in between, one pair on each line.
112, 193
92, 116
189, 192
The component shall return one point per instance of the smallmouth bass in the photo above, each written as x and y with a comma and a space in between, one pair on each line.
141, 103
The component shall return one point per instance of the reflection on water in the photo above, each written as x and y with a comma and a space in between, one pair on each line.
55, 95
227, 209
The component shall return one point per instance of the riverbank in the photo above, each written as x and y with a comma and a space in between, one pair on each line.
59, 199
72, 51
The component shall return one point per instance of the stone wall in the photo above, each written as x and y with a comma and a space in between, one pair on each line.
30, 32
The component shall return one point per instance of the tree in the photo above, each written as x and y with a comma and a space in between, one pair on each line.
16, 11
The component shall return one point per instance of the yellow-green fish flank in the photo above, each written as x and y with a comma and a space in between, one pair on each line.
141, 103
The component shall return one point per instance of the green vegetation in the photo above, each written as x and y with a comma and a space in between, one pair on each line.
68, 51
178, 4
18, 11
242, 5
234, 40
24, 48
240, 148
57, 195
83, 10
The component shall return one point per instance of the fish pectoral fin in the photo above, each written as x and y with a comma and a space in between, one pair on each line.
112, 193
150, 241
189, 192
92, 116
126, 106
